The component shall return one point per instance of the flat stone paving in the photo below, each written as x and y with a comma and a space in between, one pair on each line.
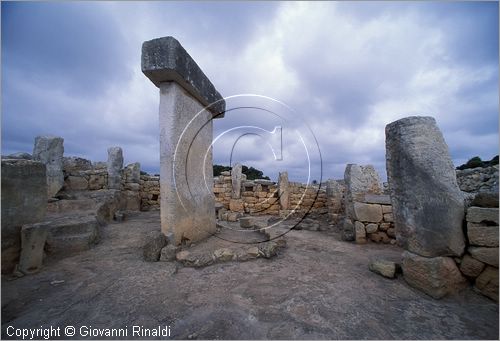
318, 287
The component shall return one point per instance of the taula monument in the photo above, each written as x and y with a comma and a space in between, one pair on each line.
188, 104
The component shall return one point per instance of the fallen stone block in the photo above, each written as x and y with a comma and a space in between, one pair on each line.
168, 253
151, 251
384, 268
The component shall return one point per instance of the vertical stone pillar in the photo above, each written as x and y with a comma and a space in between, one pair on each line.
236, 181
427, 205
115, 165
359, 180
49, 150
283, 190
188, 103
23, 201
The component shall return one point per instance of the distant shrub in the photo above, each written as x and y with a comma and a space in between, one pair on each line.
477, 162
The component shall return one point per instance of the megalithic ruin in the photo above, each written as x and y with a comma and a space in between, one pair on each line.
188, 103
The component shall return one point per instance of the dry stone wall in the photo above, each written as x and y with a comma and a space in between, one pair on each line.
478, 179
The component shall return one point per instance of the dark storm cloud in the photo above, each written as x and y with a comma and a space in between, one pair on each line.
346, 68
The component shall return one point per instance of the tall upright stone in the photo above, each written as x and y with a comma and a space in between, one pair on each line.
359, 180
115, 165
284, 190
24, 201
428, 206
49, 150
188, 103
236, 181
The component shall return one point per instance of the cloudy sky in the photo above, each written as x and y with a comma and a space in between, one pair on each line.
344, 70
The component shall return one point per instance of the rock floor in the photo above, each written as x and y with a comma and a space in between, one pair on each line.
318, 287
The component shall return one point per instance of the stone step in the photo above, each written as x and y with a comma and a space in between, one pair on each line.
70, 205
70, 234
66, 225
65, 245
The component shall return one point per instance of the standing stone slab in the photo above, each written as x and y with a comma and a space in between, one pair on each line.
33, 237
49, 150
428, 206
359, 180
284, 190
24, 201
236, 181
115, 165
188, 103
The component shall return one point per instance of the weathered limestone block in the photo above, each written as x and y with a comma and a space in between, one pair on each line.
482, 235
487, 283
382, 199
246, 222
74, 164
388, 217
236, 205
115, 165
283, 190
368, 212
132, 200
24, 201
371, 228
348, 232
33, 237
359, 180
76, 183
236, 181
188, 103
482, 214
380, 237
49, 150
428, 206
133, 172
436, 276
471, 267
384, 268
97, 181
488, 255
360, 232
386, 209
152, 249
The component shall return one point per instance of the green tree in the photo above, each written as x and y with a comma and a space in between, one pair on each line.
250, 172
